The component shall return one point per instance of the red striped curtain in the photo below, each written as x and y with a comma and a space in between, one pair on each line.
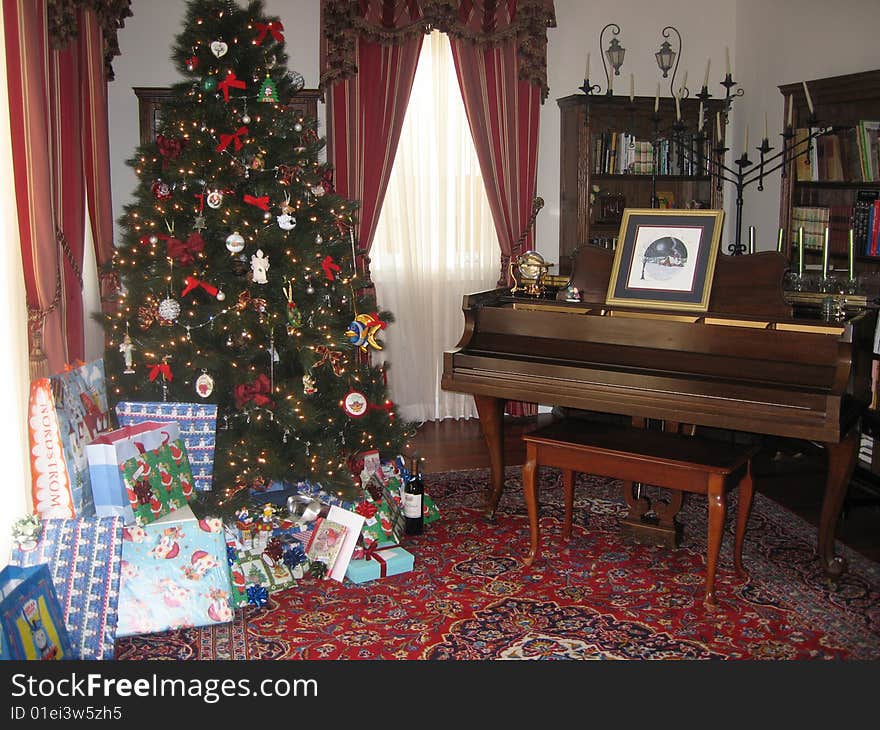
57, 55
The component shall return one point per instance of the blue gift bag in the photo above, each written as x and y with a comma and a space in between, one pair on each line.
30, 615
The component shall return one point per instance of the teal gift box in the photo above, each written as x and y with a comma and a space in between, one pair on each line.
382, 562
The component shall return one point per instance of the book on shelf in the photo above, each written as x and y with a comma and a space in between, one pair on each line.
839, 222
874, 228
862, 207
833, 164
803, 171
849, 146
869, 148
814, 220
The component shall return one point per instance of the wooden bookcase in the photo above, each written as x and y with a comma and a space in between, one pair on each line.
839, 102
588, 120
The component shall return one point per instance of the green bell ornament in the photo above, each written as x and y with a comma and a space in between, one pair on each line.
209, 83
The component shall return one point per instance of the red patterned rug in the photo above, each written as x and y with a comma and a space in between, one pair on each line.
600, 596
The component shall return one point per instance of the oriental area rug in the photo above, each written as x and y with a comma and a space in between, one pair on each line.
601, 595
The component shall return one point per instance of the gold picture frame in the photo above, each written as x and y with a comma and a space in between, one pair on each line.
665, 259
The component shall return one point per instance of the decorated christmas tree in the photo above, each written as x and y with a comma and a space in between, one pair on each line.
239, 274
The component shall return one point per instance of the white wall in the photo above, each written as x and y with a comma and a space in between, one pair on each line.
771, 43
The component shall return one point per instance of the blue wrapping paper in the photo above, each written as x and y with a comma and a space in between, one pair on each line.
84, 558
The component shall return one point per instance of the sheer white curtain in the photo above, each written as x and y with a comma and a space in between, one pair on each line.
435, 240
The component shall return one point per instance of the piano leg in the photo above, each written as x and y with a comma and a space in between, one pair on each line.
491, 412
841, 463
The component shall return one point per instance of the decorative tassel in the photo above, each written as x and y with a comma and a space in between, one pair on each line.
38, 362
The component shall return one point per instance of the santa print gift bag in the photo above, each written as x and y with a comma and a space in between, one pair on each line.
65, 412
158, 481
107, 452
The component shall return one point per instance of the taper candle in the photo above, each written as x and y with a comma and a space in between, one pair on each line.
718, 126
766, 136
809, 99
779, 241
706, 77
657, 99
852, 256
790, 111
632, 87
751, 239
825, 255
587, 70
684, 83
700, 118
801, 251
727, 60
677, 109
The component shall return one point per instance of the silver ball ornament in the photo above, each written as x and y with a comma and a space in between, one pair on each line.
245, 119
221, 296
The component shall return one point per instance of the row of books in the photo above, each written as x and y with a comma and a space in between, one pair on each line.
863, 217
621, 153
849, 154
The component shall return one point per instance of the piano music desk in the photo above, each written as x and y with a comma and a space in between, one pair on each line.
674, 461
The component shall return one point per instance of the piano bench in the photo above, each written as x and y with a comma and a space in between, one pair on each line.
670, 460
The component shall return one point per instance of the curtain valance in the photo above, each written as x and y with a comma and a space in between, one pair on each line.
110, 14
480, 22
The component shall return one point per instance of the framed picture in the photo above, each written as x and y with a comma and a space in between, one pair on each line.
665, 259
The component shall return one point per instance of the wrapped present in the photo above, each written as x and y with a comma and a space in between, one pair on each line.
84, 557
31, 623
158, 482
430, 511
109, 450
175, 574
198, 429
384, 522
65, 412
238, 584
275, 563
378, 562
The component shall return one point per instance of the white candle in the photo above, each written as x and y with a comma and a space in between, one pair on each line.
587, 71
766, 137
790, 111
657, 99
779, 241
684, 83
632, 87
718, 126
852, 260
727, 60
706, 77
677, 109
809, 100
700, 122
801, 251
825, 255
751, 239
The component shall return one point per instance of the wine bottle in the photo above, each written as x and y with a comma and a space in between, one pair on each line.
413, 502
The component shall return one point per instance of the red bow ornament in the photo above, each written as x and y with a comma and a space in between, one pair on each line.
182, 252
230, 82
169, 147
257, 392
235, 137
367, 509
275, 28
261, 202
330, 267
163, 369
193, 283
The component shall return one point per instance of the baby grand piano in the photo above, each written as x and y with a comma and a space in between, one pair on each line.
749, 364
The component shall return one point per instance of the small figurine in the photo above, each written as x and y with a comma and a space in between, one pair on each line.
126, 347
572, 294
260, 265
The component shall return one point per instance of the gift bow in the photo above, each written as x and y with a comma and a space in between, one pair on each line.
258, 392
262, 202
163, 369
334, 356
193, 283
184, 252
371, 552
329, 266
275, 28
257, 595
236, 136
230, 82
367, 509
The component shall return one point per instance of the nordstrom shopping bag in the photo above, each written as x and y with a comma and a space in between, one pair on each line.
66, 411
198, 426
109, 451
84, 556
30, 616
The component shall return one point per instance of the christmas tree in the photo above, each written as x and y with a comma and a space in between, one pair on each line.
239, 274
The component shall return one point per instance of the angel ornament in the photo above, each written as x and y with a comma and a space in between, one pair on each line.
260, 265
126, 347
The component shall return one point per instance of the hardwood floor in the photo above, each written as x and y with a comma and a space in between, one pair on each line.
790, 473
